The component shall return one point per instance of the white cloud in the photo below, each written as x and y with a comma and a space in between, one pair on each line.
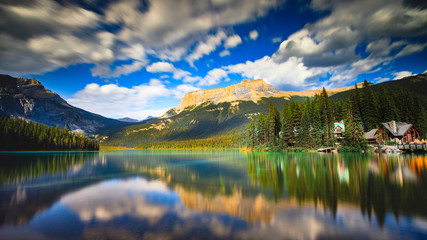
232, 41
45, 35
213, 77
167, 67
52, 13
105, 71
335, 36
78, 50
290, 73
170, 53
410, 49
169, 21
182, 89
330, 43
224, 53
191, 79
314, 53
253, 34
379, 48
380, 80
204, 48
179, 74
160, 67
402, 74
276, 39
134, 51
114, 101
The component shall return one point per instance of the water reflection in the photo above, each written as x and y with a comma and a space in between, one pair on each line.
375, 183
213, 194
27, 181
27, 166
108, 200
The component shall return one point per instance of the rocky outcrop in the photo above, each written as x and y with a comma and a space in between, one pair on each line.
29, 99
247, 90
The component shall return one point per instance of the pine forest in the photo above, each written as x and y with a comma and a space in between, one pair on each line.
309, 124
19, 134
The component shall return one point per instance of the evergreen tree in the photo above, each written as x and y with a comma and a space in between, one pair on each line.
369, 109
387, 108
296, 114
353, 106
357, 101
274, 124
339, 111
353, 136
288, 132
327, 119
250, 133
316, 132
262, 129
419, 114
303, 138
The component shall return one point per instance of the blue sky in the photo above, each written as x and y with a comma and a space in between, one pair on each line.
130, 58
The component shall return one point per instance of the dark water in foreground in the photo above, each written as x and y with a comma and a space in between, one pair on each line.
212, 194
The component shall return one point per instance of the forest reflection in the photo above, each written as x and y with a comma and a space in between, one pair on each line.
375, 183
23, 167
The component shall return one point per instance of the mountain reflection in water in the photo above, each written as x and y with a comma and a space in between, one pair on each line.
212, 194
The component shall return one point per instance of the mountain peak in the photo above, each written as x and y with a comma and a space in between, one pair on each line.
28, 98
246, 90
250, 81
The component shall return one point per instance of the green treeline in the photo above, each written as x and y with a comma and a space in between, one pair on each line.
226, 141
310, 124
20, 134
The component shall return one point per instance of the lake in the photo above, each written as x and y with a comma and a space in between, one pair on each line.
212, 194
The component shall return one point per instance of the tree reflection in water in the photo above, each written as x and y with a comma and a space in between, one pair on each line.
377, 183
16, 168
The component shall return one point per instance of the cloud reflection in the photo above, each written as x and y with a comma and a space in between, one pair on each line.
184, 212
111, 199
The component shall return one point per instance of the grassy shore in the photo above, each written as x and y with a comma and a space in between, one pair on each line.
114, 148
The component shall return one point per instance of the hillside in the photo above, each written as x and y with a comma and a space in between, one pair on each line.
29, 99
226, 111
415, 84
208, 113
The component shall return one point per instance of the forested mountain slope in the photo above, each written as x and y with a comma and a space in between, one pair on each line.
208, 113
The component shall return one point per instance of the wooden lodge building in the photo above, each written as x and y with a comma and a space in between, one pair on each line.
399, 132
339, 129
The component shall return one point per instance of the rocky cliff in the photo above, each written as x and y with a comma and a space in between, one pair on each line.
29, 99
247, 90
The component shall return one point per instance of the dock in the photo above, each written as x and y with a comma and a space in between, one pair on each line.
412, 147
328, 149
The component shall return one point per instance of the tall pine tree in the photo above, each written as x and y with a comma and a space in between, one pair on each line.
368, 106
387, 108
250, 133
287, 126
274, 124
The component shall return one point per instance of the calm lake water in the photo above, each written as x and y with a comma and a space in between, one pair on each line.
212, 194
